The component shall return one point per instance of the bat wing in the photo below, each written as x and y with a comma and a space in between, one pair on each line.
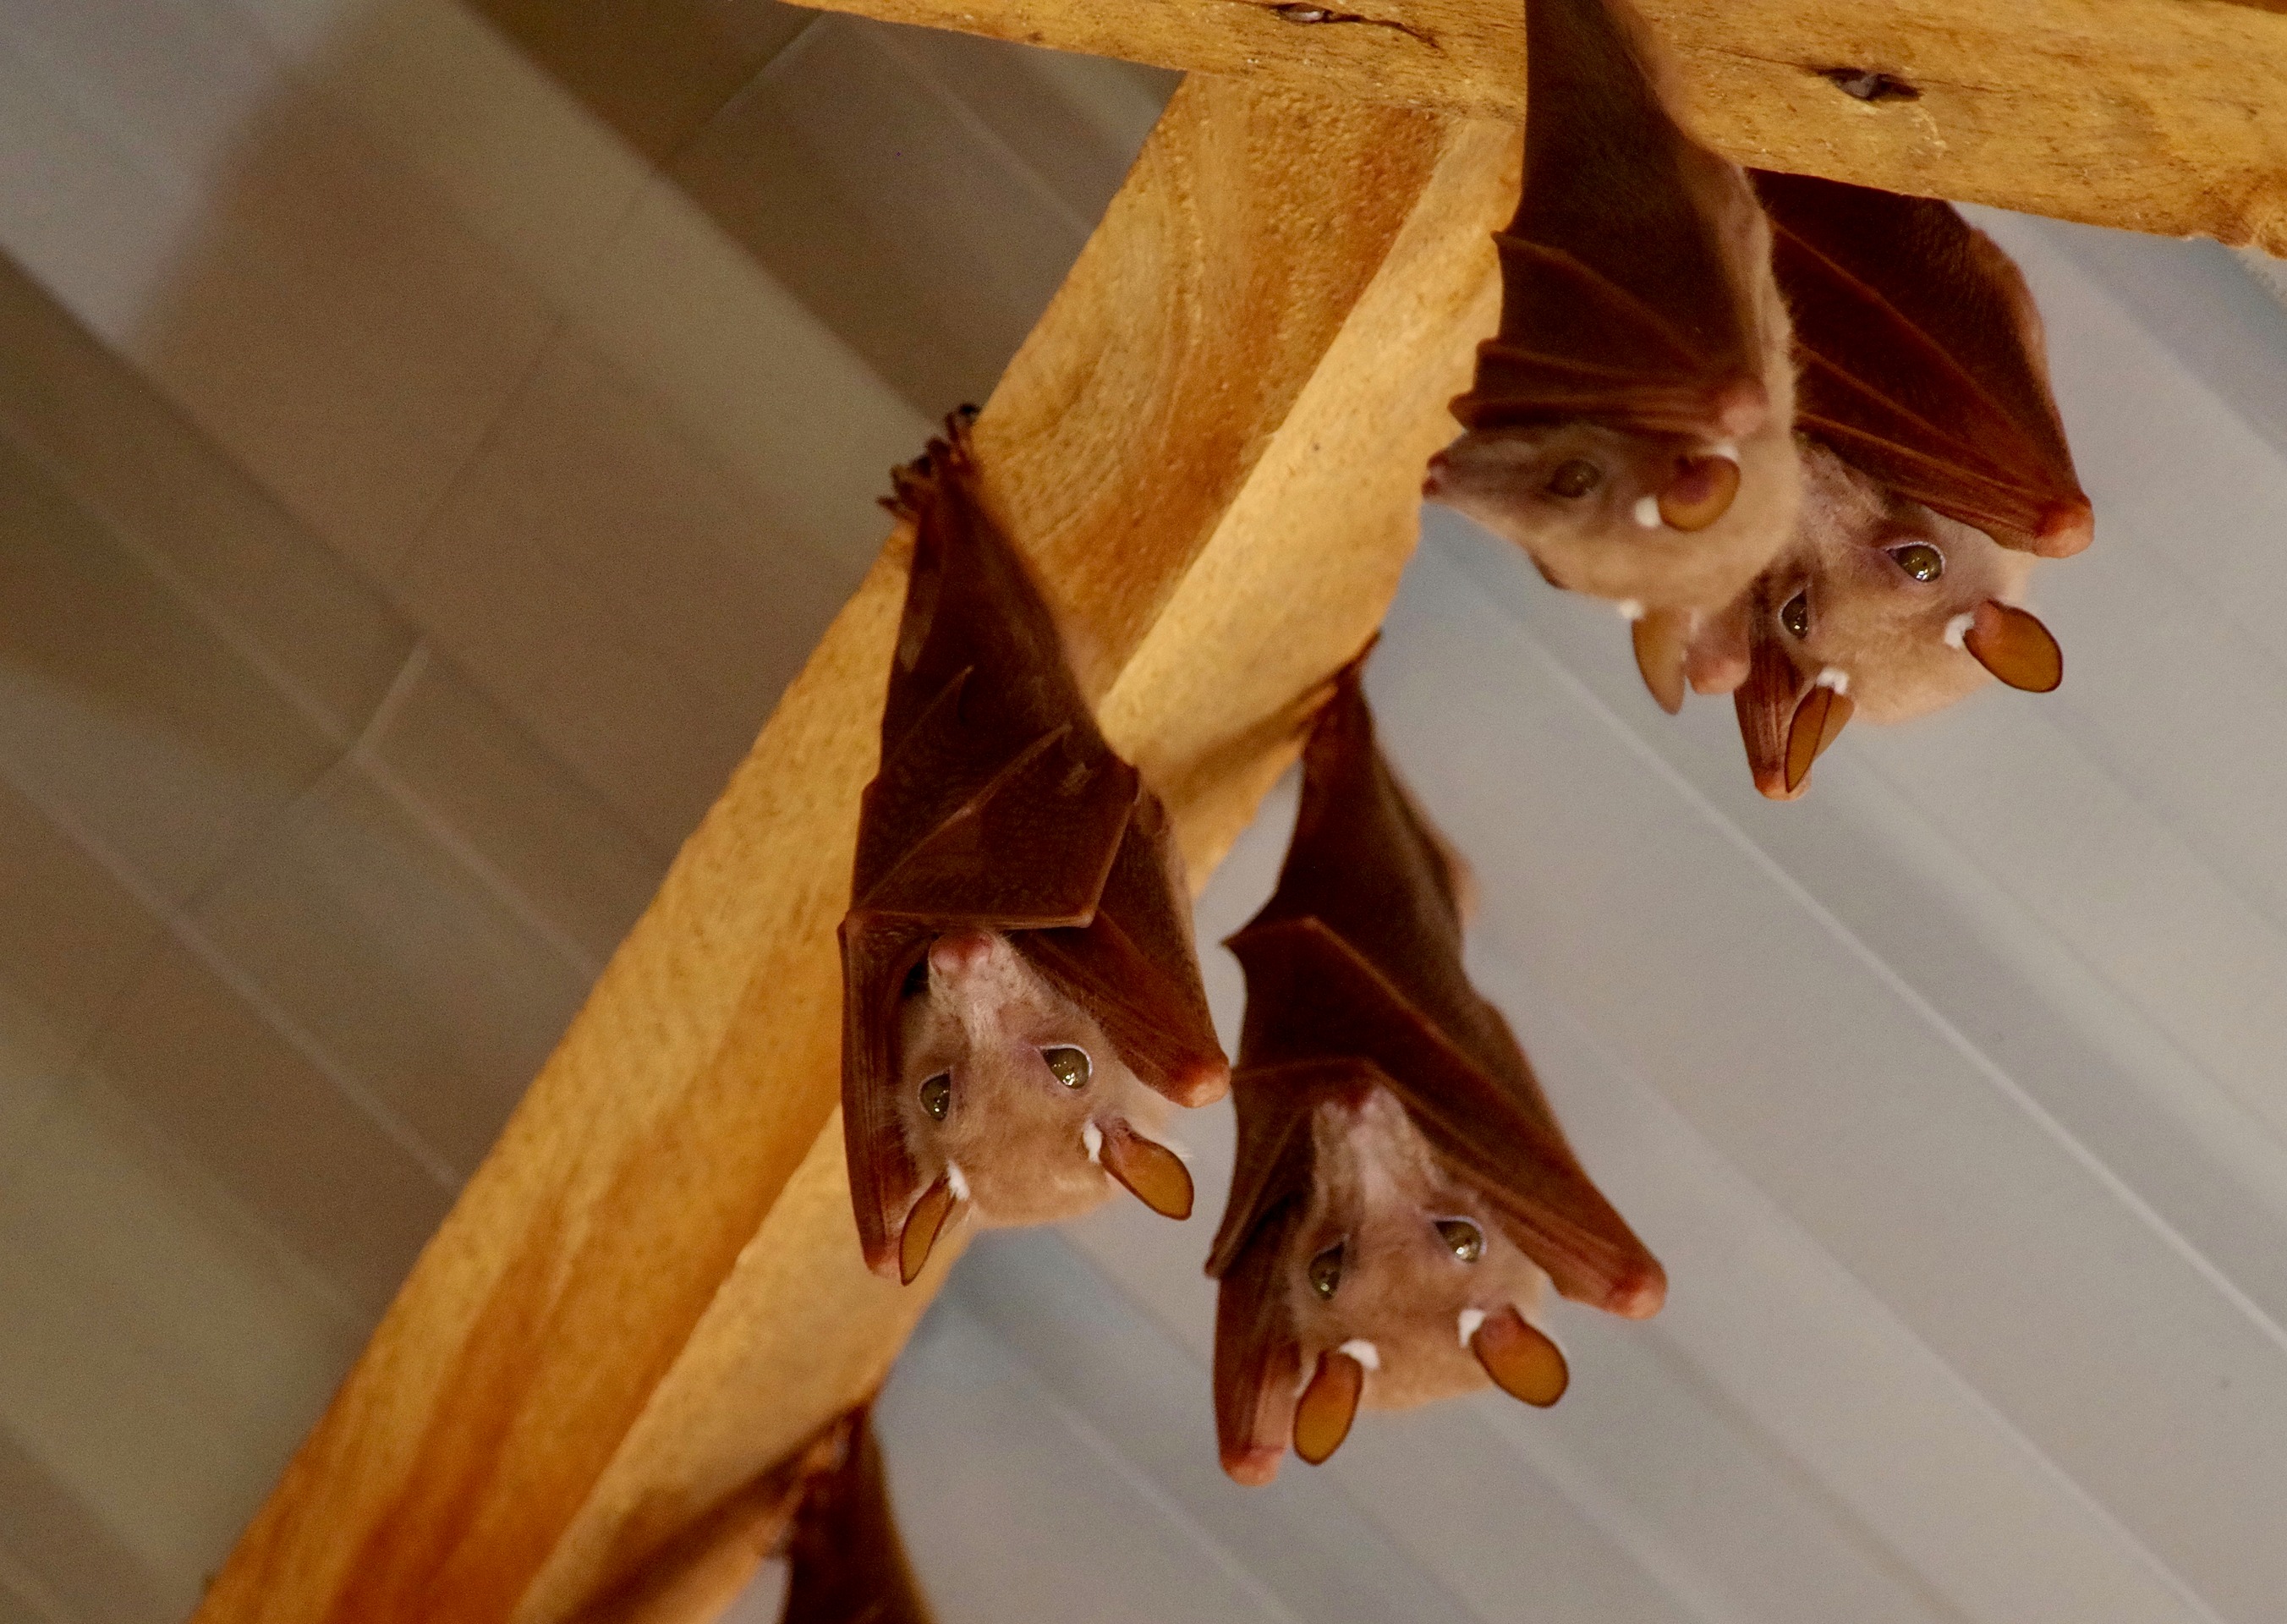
1919, 359
847, 1562
1000, 806
1617, 300
1355, 962
1133, 966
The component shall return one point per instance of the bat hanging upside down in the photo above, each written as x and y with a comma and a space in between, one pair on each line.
1021, 999
1403, 1194
1630, 423
1936, 473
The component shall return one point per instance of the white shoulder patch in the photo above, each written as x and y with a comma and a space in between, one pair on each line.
1631, 609
1957, 629
1647, 512
1092, 1136
1728, 449
1835, 677
956, 1181
1364, 1351
1471, 1318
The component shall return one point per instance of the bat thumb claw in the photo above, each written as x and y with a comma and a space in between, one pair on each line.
1523, 1361
1324, 1413
2066, 528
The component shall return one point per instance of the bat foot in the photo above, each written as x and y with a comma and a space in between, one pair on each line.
2065, 528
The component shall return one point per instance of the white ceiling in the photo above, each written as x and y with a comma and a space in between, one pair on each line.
348, 723
1954, 1097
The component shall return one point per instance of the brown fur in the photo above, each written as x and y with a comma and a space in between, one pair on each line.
1013, 1129
1628, 198
1868, 617
1380, 1191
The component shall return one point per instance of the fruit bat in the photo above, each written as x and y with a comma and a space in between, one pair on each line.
826, 1510
1629, 425
847, 1563
1020, 993
1402, 1194
1936, 473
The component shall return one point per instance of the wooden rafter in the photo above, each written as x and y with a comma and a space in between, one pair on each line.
651, 1290
2158, 115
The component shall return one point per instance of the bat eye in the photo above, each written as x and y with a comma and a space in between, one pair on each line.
1919, 559
1069, 1065
937, 1094
1462, 1238
1575, 479
1326, 1272
1796, 616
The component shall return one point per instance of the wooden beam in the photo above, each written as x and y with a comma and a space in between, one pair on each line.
2158, 115
651, 1290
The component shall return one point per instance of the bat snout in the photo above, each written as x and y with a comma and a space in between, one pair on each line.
1741, 408
958, 954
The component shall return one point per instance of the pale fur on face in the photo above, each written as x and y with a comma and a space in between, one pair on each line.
1869, 618
1013, 1129
1594, 543
1379, 1195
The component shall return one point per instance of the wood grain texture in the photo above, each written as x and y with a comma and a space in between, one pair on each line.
2158, 115
652, 1289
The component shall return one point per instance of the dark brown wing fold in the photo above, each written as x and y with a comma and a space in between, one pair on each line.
1616, 302
1356, 963
847, 1561
1000, 806
1920, 359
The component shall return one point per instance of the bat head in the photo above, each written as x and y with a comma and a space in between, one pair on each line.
1392, 1286
1881, 607
1014, 1104
1673, 520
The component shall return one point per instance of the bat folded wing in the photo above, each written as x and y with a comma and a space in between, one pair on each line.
1920, 359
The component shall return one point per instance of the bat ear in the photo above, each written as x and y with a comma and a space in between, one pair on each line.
1152, 1173
1324, 1413
2014, 645
1699, 493
924, 1224
1766, 703
1523, 1361
1661, 638
1817, 719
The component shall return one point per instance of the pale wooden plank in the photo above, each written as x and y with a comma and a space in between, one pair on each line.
2158, 115
1211, 446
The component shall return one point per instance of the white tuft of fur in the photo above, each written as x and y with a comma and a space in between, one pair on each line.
956, 1181
1957, 629
1835, 677
1092, 1136
1364, 1351
1630, 608
1647, 512
1471, 1318
1728, 449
